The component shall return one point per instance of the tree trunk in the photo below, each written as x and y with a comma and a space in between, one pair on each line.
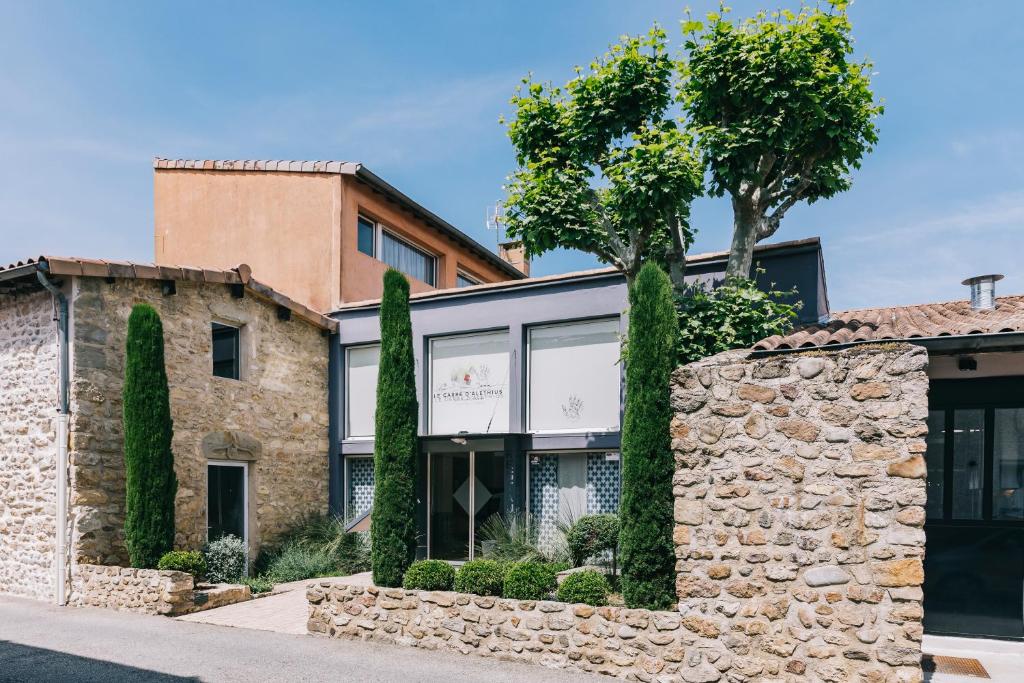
744, 236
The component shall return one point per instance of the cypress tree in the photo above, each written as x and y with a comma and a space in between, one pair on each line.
645, 538
150, 483
393, 521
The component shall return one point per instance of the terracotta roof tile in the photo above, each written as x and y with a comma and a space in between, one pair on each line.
951, 318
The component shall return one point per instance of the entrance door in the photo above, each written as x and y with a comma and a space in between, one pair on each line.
226, 500
466, 489
974, 559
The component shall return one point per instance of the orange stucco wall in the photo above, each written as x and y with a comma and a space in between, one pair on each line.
298, 232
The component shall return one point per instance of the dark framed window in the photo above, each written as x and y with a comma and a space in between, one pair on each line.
402, 256
367, 236
226, 500
462, 280
226, 362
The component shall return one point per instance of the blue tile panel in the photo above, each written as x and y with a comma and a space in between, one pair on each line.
360, 486
603, 481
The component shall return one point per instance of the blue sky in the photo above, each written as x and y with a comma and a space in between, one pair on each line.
92, 91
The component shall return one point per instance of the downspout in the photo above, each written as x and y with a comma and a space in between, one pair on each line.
62, 434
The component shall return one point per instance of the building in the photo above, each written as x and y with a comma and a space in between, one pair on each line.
247, 369
974, 517
521, 397
321, 232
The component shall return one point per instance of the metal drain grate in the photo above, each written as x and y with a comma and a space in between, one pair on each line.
959, 666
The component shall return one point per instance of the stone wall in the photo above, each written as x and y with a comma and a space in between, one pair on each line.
147, 591
275, 417
631, 644
28, 451
800, 493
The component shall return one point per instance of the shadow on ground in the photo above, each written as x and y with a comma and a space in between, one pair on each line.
26, 663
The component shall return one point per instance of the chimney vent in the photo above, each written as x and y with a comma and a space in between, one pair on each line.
983, 291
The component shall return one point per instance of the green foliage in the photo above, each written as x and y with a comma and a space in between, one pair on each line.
588, 587
258, 584
529, 581
347, 551
602, 166
781, 113
226, 559
393, 520
429, 575
513, 538
150, 483
297, 561
732, 316
645, 537
188, 561
592, 535
481, 577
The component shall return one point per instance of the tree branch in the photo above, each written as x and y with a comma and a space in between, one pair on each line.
676, 252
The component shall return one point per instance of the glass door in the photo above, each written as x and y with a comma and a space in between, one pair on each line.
465, 490
226, 500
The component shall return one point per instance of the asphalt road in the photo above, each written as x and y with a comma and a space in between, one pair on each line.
41, 642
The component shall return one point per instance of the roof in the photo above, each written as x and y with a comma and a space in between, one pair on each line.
85, 267
352, 168
609, 271
924, 321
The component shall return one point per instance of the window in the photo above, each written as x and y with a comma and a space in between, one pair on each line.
936, 458
1008, 470
374, 240
463, 280
358, 486
361, 391
225, 351
469, 384
367, 236
569, 485
226, 499
574, 377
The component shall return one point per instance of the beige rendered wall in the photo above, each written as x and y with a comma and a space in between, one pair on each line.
284, 225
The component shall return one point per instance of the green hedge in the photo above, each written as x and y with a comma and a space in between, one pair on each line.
588, 587
592, 535
429, 575
529, 581
481, 577
188, 561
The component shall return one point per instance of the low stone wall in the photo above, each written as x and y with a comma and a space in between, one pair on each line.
148, 591
626, 643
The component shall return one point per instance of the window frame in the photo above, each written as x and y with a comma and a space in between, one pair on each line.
378, 239
214, 325
245, 493
348, 392
528, 377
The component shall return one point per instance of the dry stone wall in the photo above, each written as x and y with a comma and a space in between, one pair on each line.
147, 591
28, 450
799, 508
275, 417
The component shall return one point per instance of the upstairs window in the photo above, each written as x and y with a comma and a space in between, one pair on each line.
463, 280
225, 351
374, 240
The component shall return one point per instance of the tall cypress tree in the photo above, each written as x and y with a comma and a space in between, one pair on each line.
648, 556
393, 521
150, 483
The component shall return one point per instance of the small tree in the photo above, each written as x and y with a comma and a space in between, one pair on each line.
393, 521
150, 483
781, 113
645, 538
602, 166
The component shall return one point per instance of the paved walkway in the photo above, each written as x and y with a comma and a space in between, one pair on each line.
41, 642
284, 611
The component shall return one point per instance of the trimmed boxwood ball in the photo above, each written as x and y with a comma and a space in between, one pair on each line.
429, 575
588, 587
592, 535
188, 561
529, 581
481, 577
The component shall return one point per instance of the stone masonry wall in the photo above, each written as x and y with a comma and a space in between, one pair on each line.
800, 493
28, 451
146, 591
275, 417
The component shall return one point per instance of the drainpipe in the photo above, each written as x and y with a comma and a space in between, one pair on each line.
62, 433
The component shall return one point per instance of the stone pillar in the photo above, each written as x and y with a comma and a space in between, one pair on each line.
799, 507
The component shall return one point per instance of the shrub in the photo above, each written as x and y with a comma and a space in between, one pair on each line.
150, 483
645, 537
429, 575
513, 538
188, 561
225, 559
482, 577
393, 520
296, 562
592, 535
588, 587
258, 584
326, 534
529, 581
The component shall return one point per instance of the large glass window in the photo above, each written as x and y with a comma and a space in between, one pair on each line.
1008, 464
404, 257
574, 377
361, 391
566, 486
936, 458
469, 384
968, 463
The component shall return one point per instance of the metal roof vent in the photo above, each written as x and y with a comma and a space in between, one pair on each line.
983, 291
